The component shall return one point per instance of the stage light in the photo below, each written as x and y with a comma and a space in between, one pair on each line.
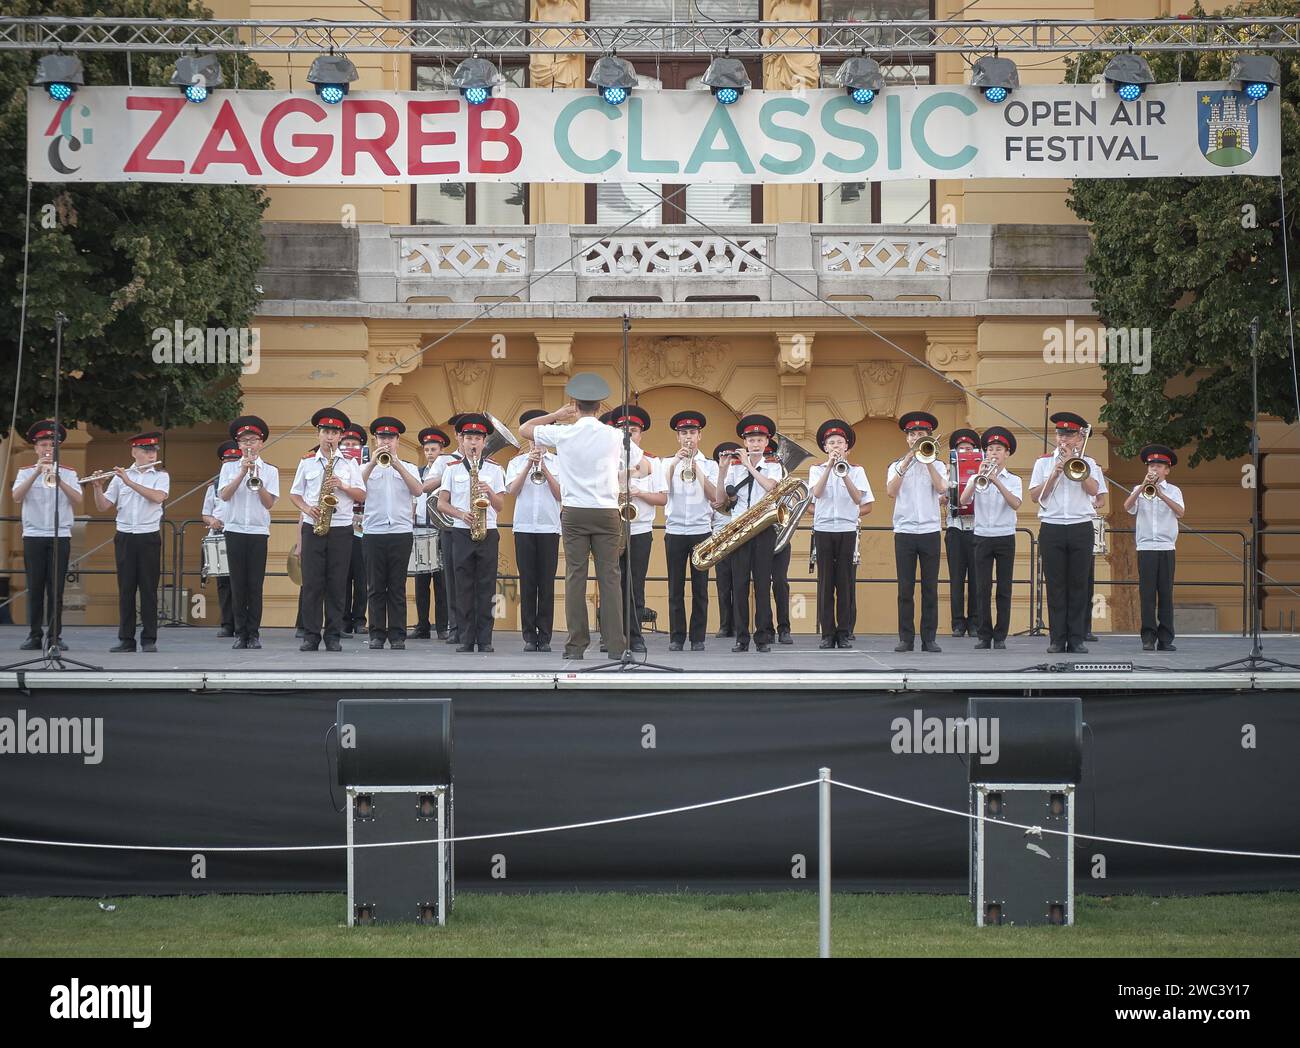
861, 78
995, 77
474, 78
1258, 74
614, 78
196, 76
1130, 74
60, 75
727, 79
331, 74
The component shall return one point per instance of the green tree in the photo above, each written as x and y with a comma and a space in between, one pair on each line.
1194, 259
121, 259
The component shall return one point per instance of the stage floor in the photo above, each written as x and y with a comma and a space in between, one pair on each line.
195, 657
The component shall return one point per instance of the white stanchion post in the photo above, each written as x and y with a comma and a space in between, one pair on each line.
824, 859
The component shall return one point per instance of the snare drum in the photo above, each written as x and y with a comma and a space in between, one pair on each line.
215, 560
426, 556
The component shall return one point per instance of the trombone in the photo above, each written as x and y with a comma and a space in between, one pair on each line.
1077, 468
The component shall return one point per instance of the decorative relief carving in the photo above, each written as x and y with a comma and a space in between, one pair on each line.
673, 256
677, 359
887, 256
881, 382
448, 256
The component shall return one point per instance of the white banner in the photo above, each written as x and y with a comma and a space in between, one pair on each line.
114, 134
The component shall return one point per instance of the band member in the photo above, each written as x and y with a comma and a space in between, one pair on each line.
688, 522
647, 493
45, 556
354, 439
536, 525
837, 508
725, 454
915, 488
1065, 535
780, 569
248, 487
749, 480
138, 494
432, 443
590, 455
1157, 535
213, 508
959, 546
1098, 507
432, 483
995, 534
474, 563
296, 549
389, 529
326, 558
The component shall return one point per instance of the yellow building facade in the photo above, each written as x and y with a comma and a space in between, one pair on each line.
367, 308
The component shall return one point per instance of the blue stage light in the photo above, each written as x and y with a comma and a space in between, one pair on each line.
332, 94
60, 92
1258, 90
726, 95
476, 96
614, 95
196, 93
864, 96
995, 94
1130, 92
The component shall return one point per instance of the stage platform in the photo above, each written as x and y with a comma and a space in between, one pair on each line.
196, 659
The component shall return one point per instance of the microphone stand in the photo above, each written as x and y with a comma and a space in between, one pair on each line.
52, 657
627, 661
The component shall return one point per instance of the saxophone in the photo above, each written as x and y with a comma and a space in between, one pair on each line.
327, 501
478, 503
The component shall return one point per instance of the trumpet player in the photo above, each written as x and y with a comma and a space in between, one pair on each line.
959, 544
475, 562
536, 526
392, 485
1065, 535
996, 494
1158, 507
248, 488
432, 483
213, 509
840, 491
915, 487
646, 493
137, 494
689, 479
326, 557
45, 554
724, 455
432, 443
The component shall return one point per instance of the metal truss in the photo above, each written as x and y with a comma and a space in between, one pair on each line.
452, 39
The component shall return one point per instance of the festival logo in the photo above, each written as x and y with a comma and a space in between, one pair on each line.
1227, 123
65, 143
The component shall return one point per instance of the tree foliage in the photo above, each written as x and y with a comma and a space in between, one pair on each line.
1194, 259
119, 259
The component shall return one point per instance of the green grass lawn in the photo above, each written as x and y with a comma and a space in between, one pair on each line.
679, 925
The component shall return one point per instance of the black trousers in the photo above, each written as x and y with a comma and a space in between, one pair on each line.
722, 577
139, 560
1092, 586
226, 602
1156, 590
449, 580
325, 563
538, 557
247, 556
435, 581
1067, 555
781, 586
634, 564
387, 558
678, 549
752, 562
44, 584
476, 584
834, 582
354, 596
908, 550
991, 551
960, 547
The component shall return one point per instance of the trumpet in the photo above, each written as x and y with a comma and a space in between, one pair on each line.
105, 474
1149, 486
536, 476
983, 477
1077, 468
383, 459
841, 468
49, 478
254, 481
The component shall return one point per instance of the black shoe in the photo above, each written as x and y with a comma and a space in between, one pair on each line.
530, 646
442, 635
930, 646
959, 632
742, 645
333, 645
465, 647
762, 646
1078, 649
239, 644
844, 642
254, 644
298, 634
573, 656
420, 635
309, 645
1165, 647
983, 645
345, 632
32, 644
1054, 649
725, 633
148, 645
697, 645
398, 645
376, 643
59, 645
223, 633
1000, 645
675, 645
1148, 645
1091, 638
851, 636
904, 645
827, 643
784, 637
543, 647
638, 646
453, 638
603, 646
486, 648
126, 645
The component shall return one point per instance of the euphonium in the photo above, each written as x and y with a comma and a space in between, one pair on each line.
327, 502
1077, 468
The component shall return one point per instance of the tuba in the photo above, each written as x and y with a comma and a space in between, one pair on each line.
783, 507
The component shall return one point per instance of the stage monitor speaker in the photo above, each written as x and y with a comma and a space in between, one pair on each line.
1022, 877
394, 742
1040, 740
406, 883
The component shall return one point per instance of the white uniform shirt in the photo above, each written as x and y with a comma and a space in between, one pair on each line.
389, 507
590, 456
916, 507
993, 514
652, 483
1157, 527
835, 510
244, 513
749, 491
307, 482
1068, 503
456, 481
136, 515
689, 512
537, 510
38, 506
